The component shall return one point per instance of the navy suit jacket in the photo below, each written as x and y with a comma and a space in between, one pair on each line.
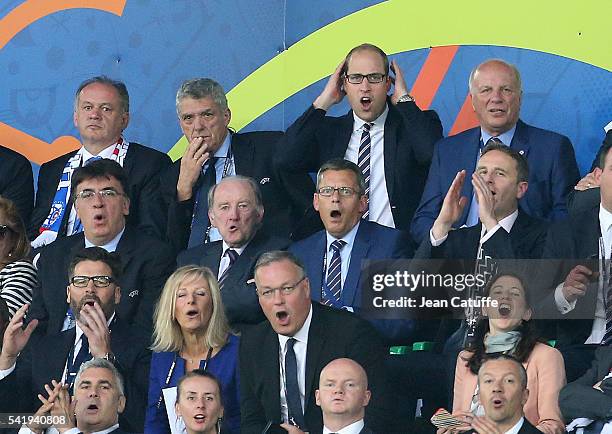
410, 135
286, 195
16, 181
44, 359
142, 166
239, 296
553, 172
372, 241
146, 262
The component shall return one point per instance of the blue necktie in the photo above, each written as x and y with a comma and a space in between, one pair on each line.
200, 224
363, 161
294, 403
334, 275
73, 366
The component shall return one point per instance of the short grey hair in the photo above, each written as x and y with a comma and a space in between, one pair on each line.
98, 362
248, 180
119, 86
342, 164
501, 356
513, 68
198, 88
278, 256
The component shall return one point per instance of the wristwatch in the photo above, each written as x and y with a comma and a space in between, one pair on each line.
405, 98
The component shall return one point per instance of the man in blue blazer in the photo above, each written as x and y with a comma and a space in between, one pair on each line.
341, 201
496, 92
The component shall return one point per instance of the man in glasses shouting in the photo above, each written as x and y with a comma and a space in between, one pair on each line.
101, 198
388, 137
30, 361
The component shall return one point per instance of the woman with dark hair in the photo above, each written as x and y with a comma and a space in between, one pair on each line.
17, 274
199, 402
190, 333
507, 328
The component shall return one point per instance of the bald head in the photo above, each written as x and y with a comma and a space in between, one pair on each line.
343, 393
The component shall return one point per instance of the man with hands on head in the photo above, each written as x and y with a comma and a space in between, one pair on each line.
29, 361
387, 136
97, 402
215, 152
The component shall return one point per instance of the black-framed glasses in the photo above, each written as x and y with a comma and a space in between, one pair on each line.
285, 290
373, 78
4, 230
342, 191
98, 281
106, 193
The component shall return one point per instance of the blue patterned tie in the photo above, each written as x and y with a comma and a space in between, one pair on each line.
294, 403
607, 339
200, 223
363, 161
334, 275
232, 255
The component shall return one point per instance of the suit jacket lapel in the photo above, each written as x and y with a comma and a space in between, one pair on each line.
361, 246
390, 147
314, 263
588, 234
317, 336
270, 363
65, 341
212, 256
126, 245
520, 140
341, 136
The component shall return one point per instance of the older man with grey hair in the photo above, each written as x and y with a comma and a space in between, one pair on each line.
215, 152
496, 94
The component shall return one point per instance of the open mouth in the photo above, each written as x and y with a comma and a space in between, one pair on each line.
497, 403
192, 313
504, 310
335, 214
232, 228
200, 418
283, 317
98, 218
366, 102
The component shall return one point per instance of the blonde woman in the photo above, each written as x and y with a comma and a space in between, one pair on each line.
191, 332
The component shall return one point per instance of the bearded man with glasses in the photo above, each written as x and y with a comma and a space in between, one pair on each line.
388, 136
31, 364
102, 202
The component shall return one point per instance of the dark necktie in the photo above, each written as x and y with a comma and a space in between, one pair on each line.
363, 161
607, 339
296, 415
201, 223
81, 357
334, 275
232, 255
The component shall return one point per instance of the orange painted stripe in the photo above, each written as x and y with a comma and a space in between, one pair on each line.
466, 118
36, 150
33, 10
432, 73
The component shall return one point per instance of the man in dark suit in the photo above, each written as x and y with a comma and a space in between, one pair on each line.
236, 210
100, 195
281, 359
101, 113
204, 117
29, 361
16, 181
590, 396
333, 257
502, 386
495, 87
389, 137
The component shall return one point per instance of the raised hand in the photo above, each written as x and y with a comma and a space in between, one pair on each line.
400, 88
63, 410
576, 283
452, 207
486, 201
93, 323
16, 337
193, 160
333, 92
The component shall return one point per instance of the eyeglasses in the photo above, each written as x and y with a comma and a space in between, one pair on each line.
4, 230
342, 191
375, 77
107, 193
98, 281
285, 290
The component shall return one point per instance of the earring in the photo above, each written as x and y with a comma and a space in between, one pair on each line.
219, 421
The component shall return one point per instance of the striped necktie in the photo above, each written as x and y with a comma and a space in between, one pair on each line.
607, 339
334, 275
363, 161
232, 255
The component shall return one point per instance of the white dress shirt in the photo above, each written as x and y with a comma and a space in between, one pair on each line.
299, 348
517, 427
354, 428
599, 321
380, 207
345, 253
225, 260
